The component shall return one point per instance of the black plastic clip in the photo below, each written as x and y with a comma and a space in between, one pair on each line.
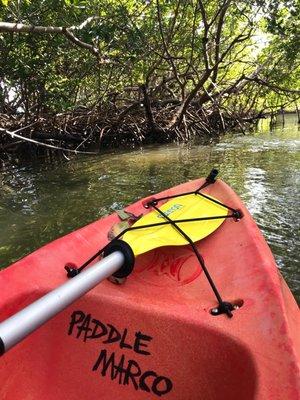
237, 215
150, 202
212, 176
223, 308
72, 270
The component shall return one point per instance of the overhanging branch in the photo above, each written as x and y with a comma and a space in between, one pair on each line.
272, 86
67, 32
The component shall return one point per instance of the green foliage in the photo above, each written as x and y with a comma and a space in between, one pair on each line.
51, 74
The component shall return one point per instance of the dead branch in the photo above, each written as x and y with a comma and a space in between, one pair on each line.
50, 146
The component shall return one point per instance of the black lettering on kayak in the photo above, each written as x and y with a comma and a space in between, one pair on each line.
106, 363
126, 372
143, 383
160, 391
138, 343
84, 327
96, 334
133, 370
76, 318
82, 323
113, 336
131, 374
123, 344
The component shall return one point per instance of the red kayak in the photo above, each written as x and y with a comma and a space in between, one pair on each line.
204, 319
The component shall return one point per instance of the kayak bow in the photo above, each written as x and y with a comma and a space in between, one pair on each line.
161, 334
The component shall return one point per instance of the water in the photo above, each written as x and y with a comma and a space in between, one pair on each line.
42, 201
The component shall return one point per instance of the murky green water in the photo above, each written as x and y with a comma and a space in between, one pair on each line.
41, 201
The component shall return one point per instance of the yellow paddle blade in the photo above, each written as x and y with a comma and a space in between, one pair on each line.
184, 207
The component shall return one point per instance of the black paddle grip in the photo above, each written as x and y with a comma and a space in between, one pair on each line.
120, 245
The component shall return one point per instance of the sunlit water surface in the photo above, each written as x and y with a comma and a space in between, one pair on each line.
43, 200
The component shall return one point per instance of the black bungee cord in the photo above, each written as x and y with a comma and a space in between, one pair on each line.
224, 306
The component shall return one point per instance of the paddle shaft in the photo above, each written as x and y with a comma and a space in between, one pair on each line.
20, 325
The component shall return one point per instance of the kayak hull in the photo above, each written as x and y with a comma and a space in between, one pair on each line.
154, 336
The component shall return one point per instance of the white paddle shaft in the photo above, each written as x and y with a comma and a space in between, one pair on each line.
20, 325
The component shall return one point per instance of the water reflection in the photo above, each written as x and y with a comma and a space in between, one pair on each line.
39, 202
256, 189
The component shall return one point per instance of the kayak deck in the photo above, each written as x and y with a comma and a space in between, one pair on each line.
154, 336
